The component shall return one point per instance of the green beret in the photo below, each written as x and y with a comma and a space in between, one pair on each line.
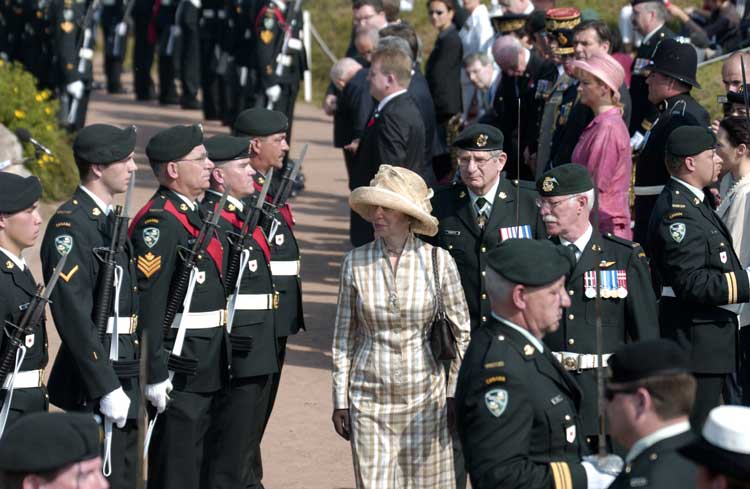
223, 148
530, 262
102, 144
260, 122
644, 359
690, 140
568, 179
42, 442
174, 143
480, 137
18, 193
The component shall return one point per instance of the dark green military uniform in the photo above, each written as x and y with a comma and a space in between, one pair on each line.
702, 278
643, 110
111, 15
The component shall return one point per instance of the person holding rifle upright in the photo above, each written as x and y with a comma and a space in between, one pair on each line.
180, 267
95, 302
20, 224
251, 307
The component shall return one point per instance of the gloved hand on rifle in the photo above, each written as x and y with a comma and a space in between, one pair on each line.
75, 89
115, 406
601, 472
273, 93
158, 394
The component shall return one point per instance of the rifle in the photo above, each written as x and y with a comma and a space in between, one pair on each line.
744, 93
284, 54
121, 31
287, 181
248, 225
85, 55
175, 30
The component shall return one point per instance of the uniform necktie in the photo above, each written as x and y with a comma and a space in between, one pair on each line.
574, 249
481, 204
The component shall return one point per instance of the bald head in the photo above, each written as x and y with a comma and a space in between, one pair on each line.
731, 71
343, 71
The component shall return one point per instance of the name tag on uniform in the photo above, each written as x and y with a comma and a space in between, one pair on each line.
614, 284
522, 232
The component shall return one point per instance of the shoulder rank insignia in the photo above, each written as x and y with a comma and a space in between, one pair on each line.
63, 244
496, 400
677, 231
149, 264
69, 275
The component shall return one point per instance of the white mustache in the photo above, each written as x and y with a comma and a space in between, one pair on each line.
549, 218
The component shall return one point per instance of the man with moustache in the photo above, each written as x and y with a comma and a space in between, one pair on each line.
161, 232
91, 375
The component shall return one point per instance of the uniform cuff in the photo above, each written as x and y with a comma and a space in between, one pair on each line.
567, 476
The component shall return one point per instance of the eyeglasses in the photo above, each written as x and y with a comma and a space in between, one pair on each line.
436, 12
464, 161
540, 203
363, 19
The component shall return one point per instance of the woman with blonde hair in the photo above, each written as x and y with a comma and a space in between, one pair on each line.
391, 399
604, 146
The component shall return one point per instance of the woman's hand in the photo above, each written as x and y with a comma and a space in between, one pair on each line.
341, 423
451, 407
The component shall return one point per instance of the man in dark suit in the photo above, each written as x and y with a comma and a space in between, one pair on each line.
655, 376
517, 408
93, 373
348, 119
469, 230
702, 281
627, 304
395, 133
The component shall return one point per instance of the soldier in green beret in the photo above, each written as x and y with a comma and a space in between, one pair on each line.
91, 372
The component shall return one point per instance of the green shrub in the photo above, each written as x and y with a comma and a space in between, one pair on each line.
25, 106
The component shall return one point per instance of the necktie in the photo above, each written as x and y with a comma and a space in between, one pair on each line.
574, 249
481, 204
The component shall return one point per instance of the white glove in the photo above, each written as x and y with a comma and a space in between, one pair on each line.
273, 93
75, 89
596, 479
158, 394
121, 29
115, 406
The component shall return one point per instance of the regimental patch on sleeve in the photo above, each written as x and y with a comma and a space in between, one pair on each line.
496, 401
149, 264
677, 230
63, 244
151, 236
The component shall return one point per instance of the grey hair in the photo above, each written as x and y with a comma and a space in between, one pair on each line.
499, 289
590, 198
369, 32
395, 43
657, 8
483, 58
505, 50
342, 67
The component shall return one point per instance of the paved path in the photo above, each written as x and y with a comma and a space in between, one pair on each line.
300, 448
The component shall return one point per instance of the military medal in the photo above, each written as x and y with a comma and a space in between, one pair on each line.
515, 232
589, 284
622, 282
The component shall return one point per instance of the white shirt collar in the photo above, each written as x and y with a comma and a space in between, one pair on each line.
237, 203
186, 200
18, 260
529, 9
388, 98
534, 341
581, 242
695, 190
649, 440
648, 36
99, 202
490, 195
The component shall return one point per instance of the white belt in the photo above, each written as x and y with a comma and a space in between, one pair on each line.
86, 53
733, 308
650, 190
256, 302
200, 320
279, 268
579, 361
26, 379
125, 325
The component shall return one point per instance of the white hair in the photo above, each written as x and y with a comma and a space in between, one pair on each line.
590, 198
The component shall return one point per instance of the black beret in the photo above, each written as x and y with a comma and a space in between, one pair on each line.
102, 144
18, 193
530, 262
644, 359
174, 143
42, 442
222, 148
738, 97
536, 21
480, 137
568, 179
260, 122
690, 140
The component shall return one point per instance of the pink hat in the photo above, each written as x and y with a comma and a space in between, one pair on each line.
605, 68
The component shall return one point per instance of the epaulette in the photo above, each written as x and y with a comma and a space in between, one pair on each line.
621, 241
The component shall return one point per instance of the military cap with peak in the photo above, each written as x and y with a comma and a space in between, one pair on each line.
174, 143
102, 144
480, 137
259, 122
18, 193
530, 262
507, 23
43, 442
568, 179
690, 140
650, 358
223, 148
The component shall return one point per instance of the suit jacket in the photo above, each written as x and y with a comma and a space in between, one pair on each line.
468, 244
82, 372
692, 253
420, 93
517, 412
443, 74
642, 108
632, 318
354, 106
396, 136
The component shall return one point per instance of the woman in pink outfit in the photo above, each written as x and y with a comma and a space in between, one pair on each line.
604, 146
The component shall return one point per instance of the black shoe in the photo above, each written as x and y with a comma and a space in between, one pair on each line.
191, 104
169, 101
117, 90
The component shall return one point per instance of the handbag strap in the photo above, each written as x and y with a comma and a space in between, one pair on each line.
438, 288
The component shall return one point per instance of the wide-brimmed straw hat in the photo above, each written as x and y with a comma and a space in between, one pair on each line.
399, 189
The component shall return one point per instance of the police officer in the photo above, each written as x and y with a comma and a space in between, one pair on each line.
517, 408
90, 372
70, 455
628, 305
702, 281
672, 76
655, 376
20, 224
168, 223
481, 211
252, 302
267, 130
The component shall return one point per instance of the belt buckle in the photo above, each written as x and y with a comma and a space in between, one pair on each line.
133, 323
275, 300
570, 363
40, 382
223, 318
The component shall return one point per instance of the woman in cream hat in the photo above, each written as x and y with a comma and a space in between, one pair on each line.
391, 399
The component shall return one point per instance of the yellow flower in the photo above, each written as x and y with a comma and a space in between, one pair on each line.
38, 97
19, 114
48, 110
49, 127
